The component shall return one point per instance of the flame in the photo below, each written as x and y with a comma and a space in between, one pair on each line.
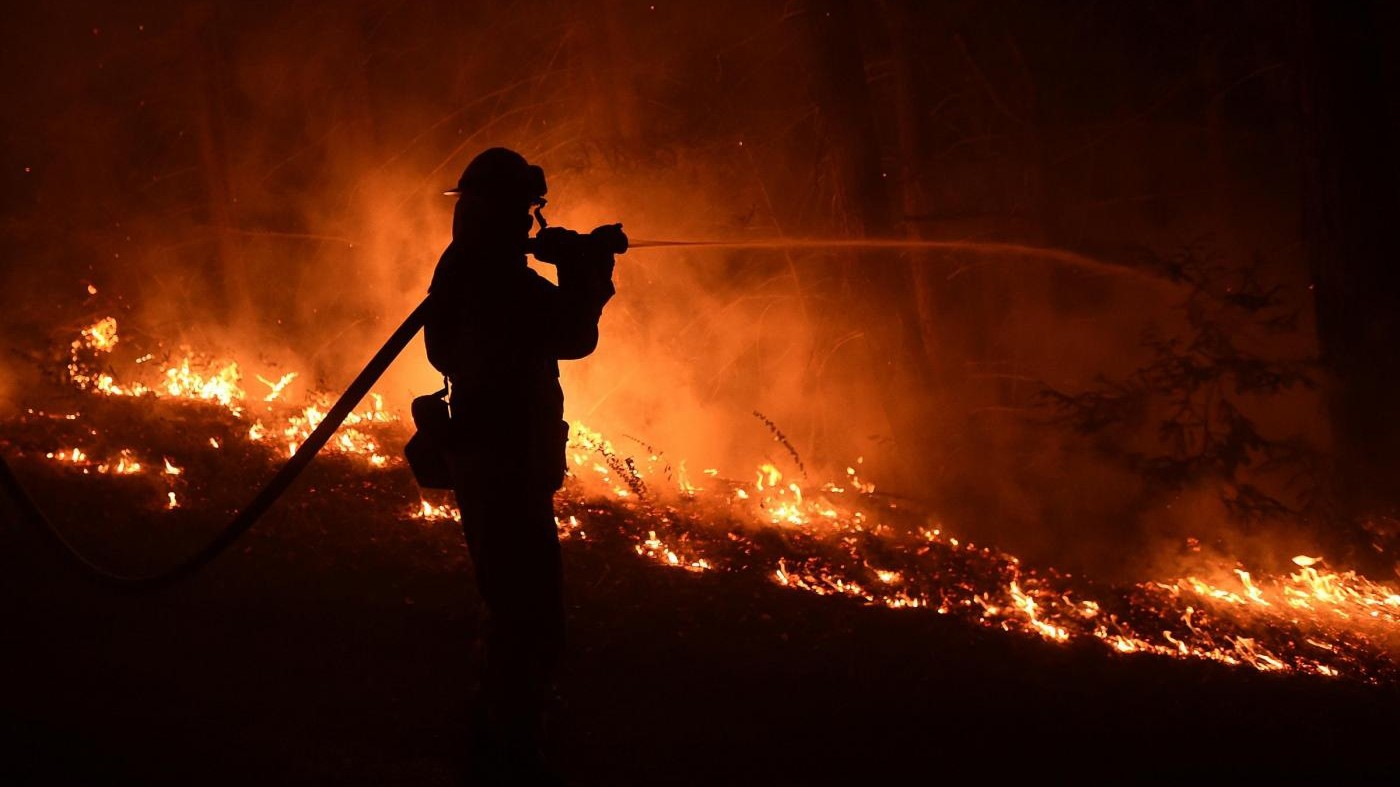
428, 512
101, 335
837, 539
570, 528
276, 387
125, 463
1243, 618
677, 555
222, 386
197, 378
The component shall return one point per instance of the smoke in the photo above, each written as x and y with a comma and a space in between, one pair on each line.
9, 406
265, 184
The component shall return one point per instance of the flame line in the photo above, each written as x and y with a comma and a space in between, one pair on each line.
246, 518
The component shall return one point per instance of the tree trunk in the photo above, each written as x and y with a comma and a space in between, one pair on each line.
615, 118
1348, 102
229, 286
879, 287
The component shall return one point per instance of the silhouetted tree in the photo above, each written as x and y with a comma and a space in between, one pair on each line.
1191, 390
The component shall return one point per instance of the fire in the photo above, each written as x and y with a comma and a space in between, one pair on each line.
570, 528
851, 545
837, 538
73, 455
219, 382
101, 335
125, 463
275, 388
678, 555
182, 382
428, 512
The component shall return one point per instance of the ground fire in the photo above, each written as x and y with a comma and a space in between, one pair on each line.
840, 538
946, 387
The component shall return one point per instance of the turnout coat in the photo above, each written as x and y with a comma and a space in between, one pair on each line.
497, 330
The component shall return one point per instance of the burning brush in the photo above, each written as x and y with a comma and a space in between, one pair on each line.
838, 539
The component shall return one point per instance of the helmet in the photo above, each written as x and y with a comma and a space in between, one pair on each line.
502, 174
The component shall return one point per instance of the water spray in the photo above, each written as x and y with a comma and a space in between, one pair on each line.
978, 248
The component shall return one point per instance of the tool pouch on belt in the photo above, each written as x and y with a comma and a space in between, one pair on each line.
426, 451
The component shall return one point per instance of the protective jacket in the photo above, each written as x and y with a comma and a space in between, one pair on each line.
497, 330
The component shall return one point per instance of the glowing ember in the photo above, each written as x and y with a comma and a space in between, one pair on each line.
126, 464
101, 335
433, 513
570, 528
678, 555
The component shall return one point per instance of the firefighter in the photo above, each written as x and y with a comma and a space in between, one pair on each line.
497, 331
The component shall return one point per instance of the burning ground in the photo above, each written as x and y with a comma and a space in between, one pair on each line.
765, 608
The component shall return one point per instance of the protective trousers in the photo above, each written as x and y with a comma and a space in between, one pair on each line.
514, 545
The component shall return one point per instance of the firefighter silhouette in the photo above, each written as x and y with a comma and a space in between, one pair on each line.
497, 331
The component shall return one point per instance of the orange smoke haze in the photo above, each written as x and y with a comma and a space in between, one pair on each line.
265, 185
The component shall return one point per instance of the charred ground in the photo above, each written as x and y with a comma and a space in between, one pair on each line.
336, 645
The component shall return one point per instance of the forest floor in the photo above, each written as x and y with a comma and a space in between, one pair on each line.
335, 645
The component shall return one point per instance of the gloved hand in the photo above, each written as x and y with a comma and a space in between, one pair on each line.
556, 245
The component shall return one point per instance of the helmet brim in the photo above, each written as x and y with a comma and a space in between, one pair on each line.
533, 202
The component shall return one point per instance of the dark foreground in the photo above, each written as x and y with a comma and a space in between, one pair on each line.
335, 646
